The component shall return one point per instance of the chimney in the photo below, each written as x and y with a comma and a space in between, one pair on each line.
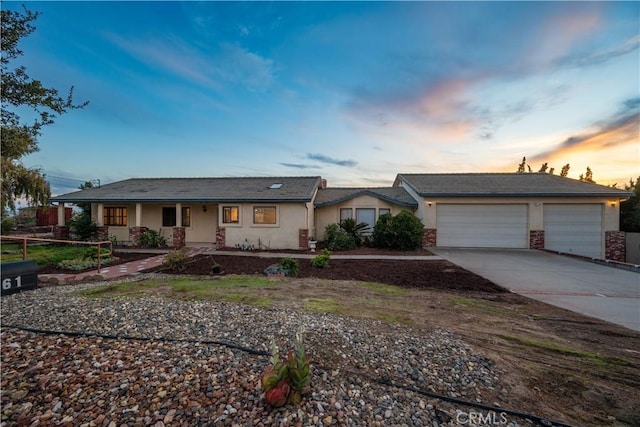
323, 183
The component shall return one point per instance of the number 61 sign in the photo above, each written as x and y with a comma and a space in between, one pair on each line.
19, 276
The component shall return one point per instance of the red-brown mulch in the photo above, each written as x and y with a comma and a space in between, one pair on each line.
409, 273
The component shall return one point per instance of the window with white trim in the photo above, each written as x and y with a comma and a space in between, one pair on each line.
264, 215
230, 214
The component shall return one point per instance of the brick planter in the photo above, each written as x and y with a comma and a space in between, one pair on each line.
615, 248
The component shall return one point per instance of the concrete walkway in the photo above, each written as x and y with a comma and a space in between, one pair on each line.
133, 267
595, 290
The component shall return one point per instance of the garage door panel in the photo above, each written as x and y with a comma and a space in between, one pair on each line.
488, 226
574, 229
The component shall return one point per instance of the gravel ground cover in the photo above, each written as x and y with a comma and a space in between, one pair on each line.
50, 379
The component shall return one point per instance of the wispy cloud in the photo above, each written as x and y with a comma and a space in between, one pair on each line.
224, 63
622, 128
601, 56
299, 166
331, 161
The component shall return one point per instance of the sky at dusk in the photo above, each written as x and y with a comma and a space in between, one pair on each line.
355, 92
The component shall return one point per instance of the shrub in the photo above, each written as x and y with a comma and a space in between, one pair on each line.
337, 239
383, 231
176, 260
7, 225
403, 231
82, 226
290, 266
92, 252
152, 239
322, 260
356, 230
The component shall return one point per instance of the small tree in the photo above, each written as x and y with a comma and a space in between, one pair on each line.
630, 209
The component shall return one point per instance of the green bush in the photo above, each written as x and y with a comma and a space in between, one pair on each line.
403, 231
82, 226
336, 239
7, 225
356, 230
176, 260
152, 239
322, 260
383, 231
290, 266
92, 252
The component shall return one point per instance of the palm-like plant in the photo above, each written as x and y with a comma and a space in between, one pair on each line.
357, 230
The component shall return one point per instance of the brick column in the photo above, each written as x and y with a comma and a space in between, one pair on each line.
220, 238
102, 233
303, 238
614, 246
61, 232
536, 239
179, 237
135, 233
429, 238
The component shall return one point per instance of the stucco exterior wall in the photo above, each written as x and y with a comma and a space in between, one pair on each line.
290, 218
201, 230
331, 214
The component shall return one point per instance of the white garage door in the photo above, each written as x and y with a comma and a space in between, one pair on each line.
482, 226
574, 229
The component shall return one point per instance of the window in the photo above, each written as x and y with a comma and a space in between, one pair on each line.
276, 186
383, 211
264, 215
115, 216
346, 213
169, 217
230, 214
368, 216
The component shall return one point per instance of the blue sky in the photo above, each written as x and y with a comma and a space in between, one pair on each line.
354, 92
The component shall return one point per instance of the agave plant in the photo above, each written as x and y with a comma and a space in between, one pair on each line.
288, 381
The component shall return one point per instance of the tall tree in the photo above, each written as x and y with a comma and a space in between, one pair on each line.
587, 176
18, 137
630, 209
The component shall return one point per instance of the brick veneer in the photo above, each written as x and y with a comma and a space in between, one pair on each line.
614, 246
61, 232
179, 237
135, 233
430, 238
303, 238
536, 239
221, 237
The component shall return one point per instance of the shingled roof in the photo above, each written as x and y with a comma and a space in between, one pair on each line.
504, 185
200, 190
395, 195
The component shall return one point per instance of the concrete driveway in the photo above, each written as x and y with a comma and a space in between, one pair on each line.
599, 291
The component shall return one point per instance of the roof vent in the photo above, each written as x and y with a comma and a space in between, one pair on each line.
276, 185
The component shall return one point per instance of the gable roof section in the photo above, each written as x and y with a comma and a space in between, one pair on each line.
199, 190
504, 185
333, 196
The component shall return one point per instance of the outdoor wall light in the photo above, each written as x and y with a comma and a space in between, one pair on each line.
430, 203
613, 204
204, 208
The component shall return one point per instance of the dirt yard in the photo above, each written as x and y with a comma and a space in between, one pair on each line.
557, 363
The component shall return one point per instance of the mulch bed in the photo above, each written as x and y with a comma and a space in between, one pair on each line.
409, 273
